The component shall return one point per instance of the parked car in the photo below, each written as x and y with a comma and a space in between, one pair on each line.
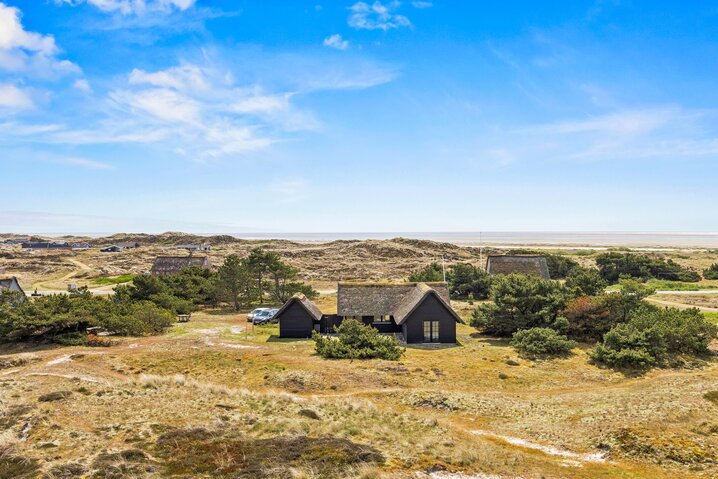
263, 316
251, 315
274, 318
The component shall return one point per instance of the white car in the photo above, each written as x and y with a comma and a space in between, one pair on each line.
250, 316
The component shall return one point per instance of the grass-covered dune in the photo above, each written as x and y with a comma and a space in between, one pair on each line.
217, 397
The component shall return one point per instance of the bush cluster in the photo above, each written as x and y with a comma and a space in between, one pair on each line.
541, 342
711, 272
613, 266
522, 302
653, 336
67, 317
357, 341
465, 280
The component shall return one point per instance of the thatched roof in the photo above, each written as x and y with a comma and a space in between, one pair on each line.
415, 297
175, 264
379, 299
11, 283
303, 301
509, 264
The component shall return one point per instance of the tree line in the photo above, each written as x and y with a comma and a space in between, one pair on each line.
149, 304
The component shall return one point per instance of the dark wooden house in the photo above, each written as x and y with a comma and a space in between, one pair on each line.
174, 264
298, 318
518, 264
420, 312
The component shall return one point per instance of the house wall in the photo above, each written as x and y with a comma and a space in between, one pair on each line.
429, 309
295, 322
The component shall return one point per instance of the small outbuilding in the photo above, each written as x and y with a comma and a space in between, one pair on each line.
518, 264
111, 249
298, 317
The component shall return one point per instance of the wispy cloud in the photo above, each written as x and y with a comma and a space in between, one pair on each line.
86, 163
336, 41
421, 4
134, 7
377, 16
289, 190
661, 133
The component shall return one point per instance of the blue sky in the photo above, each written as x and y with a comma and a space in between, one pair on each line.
275, 116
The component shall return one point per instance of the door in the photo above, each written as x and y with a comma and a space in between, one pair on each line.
431, 331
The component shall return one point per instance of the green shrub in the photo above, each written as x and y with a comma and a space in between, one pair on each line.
77, 338
711, 272
65, 318
357, 341
653, 336
586, 281
615, 265
464, 279
521, 302
541, 341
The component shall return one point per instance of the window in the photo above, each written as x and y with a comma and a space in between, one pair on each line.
431, 331
382, 319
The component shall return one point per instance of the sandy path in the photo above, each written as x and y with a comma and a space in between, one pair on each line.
675, 304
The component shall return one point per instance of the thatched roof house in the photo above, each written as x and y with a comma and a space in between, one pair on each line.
174, 264
519, 264
420, 312
10, 283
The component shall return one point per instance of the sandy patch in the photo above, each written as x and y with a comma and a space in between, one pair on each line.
71, 376
229, 345
459, 475
550, 450
61, 359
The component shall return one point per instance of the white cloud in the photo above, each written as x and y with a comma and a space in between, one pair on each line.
85, 163
28, 52
376, 16
82, 85
14, 98
261, 104
160, 103
134, 7
183, 77
336, 41
421, 4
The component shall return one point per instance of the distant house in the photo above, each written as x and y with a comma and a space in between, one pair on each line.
420, 312
80, 246
111, 249
520, 264
194, 247
16, 240
10, 283
46, 245
174, 264
128, 244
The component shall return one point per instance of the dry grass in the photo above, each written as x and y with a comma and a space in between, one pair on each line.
416, 413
